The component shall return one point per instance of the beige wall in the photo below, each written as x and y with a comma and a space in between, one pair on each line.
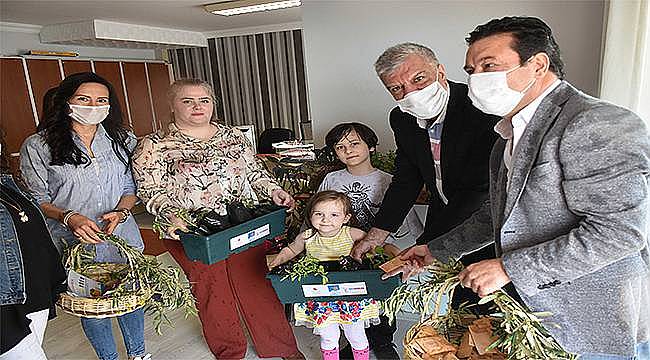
344, 38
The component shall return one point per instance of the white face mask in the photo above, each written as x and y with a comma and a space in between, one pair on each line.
490, 93
89, 115
425, 103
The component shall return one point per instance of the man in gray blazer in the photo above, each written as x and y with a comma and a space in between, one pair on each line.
569, 200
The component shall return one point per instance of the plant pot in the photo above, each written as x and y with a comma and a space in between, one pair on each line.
219, 246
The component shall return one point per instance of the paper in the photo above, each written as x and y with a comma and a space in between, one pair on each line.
392, 264
481, 332
247, 238
342, 289
84, 286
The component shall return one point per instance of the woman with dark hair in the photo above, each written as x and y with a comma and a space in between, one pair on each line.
78, 168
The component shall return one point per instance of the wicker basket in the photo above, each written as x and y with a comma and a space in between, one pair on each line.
452, 335
102, 307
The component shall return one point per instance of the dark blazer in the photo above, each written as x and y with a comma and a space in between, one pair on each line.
467, 138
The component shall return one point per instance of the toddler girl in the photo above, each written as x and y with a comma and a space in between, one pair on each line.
329, 212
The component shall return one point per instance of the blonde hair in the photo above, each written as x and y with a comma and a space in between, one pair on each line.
176, 87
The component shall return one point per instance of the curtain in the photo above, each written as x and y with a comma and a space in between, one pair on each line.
258, 79
191, 63
625, 75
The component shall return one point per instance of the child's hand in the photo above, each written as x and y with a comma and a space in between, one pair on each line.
282, 257
275, 262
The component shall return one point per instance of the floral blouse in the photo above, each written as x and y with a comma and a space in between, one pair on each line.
174, 170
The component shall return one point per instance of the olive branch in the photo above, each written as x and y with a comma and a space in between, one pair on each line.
141, 276
520, 332
303, 267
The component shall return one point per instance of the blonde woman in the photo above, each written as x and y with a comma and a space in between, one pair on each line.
198, 163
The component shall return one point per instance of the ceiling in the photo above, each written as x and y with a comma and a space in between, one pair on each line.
173, 14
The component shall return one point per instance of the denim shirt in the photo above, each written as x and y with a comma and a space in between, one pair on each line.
91, 189
12, 276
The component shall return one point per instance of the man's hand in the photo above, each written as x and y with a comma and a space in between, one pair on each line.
416, 258
282, 198
484, 277
373, 238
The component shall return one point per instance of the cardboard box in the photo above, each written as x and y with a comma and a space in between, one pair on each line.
235, 239
341, 285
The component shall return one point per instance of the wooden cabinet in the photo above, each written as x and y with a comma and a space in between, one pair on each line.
43, 75
139, 99
159, 83
76, 66
16, 112
140, 86
111, 71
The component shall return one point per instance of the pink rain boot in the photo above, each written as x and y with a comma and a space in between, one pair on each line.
361, 354
332, 354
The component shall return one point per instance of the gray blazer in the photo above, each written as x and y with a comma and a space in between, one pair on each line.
572, 228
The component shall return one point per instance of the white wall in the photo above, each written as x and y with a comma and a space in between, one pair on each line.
20, 41
344, 38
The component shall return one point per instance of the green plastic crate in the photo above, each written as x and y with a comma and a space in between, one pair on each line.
233, 240
341, 285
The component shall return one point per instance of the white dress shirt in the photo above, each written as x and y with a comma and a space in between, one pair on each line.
512, 130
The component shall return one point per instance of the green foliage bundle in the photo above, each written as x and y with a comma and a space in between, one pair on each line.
141, 276
521, 333
384, 161
301, 180
303, 267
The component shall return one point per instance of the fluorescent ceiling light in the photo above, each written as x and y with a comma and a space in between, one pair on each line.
248, 6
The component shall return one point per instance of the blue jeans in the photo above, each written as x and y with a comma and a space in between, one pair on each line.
100, 334
642, 353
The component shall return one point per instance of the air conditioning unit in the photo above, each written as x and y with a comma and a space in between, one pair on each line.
103, 33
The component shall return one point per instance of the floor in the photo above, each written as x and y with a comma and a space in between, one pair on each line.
64, 338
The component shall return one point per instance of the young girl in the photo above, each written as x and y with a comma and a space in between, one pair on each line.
329, 212
353, 144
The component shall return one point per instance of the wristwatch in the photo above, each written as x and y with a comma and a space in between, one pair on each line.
125, 213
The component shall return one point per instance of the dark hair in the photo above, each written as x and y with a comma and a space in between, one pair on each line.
328, 195
340, 131
48, 102
56, 127
531, 36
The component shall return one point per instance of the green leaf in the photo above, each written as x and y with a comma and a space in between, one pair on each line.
486, 299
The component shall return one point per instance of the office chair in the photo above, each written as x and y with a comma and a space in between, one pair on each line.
273, 135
